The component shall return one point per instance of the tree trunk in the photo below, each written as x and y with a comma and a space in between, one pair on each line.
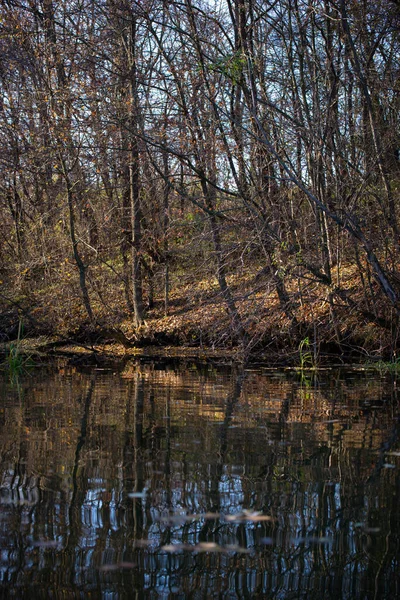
134, 182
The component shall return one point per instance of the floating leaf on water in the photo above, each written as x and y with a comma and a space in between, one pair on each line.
211, 516
17, 501
46, 544
207, 547
109, 567
137, 494
176, 519
312, 540
248, 515
367, 529
257, 518
236, 548
174, 548
172, 519
142, 543
127, 565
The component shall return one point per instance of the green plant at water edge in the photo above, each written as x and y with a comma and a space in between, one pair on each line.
305, 355
307, 363
385, 367
16, 361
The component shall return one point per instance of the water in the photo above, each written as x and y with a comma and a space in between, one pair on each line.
188, 481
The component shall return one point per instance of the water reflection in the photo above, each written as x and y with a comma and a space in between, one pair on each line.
189, 482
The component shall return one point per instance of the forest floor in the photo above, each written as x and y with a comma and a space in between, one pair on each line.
318, 330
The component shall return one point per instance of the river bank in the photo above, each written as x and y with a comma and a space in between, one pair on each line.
321, 328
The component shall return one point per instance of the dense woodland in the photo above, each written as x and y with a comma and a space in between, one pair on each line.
202, 172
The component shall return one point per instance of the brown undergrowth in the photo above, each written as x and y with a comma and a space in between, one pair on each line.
334, 321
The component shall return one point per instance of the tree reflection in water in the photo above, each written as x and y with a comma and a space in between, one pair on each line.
195, 482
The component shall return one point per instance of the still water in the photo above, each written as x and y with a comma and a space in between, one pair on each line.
193, 481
